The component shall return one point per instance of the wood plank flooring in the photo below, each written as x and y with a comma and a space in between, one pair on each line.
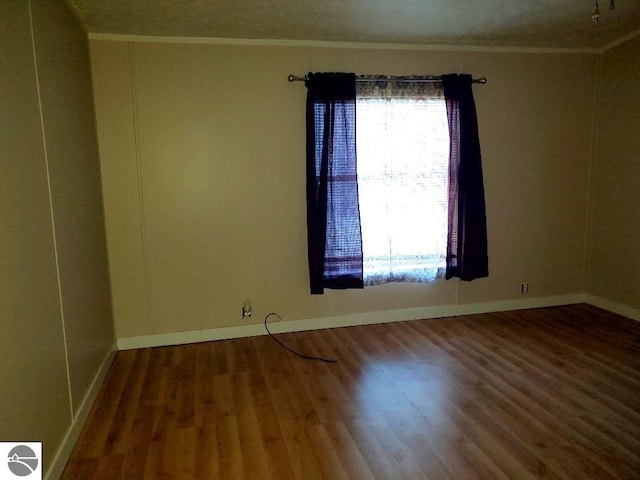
548, 393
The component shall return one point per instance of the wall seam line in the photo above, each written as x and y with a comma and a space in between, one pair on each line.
51, 212
592, 174
143, 233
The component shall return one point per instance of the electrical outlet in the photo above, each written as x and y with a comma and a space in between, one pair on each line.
524, 288
246, 309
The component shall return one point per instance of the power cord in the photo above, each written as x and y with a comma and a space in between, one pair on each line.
301, 355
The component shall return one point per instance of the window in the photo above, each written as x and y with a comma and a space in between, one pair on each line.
402, 144
412, 205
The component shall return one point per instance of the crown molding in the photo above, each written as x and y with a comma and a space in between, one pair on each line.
114, 37
619, 41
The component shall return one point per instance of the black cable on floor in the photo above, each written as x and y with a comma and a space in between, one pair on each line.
301, 355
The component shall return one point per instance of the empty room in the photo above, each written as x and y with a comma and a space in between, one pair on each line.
320, 239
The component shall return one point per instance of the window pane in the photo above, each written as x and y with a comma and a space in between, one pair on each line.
403, 151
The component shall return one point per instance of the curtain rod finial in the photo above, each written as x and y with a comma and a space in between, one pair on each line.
295, 78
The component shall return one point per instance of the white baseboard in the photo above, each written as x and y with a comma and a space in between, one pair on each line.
68, 442
367, 318
632, 313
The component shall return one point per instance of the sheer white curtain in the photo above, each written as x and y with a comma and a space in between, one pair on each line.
403, 153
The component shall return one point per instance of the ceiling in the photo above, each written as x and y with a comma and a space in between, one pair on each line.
502, 23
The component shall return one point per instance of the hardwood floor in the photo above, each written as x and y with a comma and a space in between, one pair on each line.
549, 393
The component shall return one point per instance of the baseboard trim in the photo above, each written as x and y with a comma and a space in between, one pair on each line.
625, 311
68, 442
195, 336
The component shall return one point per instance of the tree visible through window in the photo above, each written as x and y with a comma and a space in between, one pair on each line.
403, 153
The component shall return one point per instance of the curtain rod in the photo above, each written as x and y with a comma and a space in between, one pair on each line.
380, 78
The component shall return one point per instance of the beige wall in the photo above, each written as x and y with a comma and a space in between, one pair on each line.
202, 150
614, 272
34, 403
55, 313
72, 154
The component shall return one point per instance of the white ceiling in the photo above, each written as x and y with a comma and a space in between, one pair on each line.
504, 23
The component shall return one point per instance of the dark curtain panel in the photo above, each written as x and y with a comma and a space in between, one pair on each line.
467, 236
333, 217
